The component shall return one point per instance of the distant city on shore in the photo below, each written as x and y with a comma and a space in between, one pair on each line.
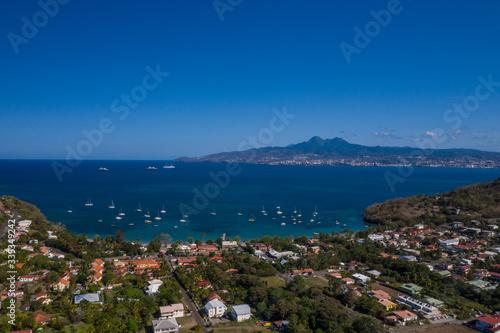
338, 152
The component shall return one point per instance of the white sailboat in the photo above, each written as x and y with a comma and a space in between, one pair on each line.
213, 212
139, 209
112, 206
147, 213
263, 211
89, 203
315, 211
300, 213
118, 217
158, 216
163, 211
279, 212
121, 212
70, 210
239, 212
100, 219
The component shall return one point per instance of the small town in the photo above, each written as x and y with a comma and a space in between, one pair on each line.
375, 280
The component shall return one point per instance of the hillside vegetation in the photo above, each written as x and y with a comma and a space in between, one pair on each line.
479, 202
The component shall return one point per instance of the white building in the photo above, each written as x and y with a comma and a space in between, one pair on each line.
215, 308
165, 326
361, 278
153, 287
24, 224
172, 311
375, 237
241, 312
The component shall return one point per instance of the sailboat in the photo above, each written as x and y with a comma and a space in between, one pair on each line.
300, 213
158, 216
118, 217
295, 210
183, 218
213, 212
315, 211
251, 218
147, 213
89, 203
239, 212
279, 210
112, 206
70, 210
121, 212
163, 211
263, 211
139, 209
100, 219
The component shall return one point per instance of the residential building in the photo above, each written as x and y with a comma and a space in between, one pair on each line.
361, 278
215, 308
153, 286
411, 288
388, 305
40, 318
405, 315
165, 326
172, 311
241, 312
380, 295
418, 305
487, 324
91, 297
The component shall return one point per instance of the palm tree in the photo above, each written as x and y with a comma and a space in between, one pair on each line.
203, 236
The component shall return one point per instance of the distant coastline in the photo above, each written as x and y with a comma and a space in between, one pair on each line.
338, 152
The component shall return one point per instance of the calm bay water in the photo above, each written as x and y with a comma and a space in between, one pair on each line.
339, 193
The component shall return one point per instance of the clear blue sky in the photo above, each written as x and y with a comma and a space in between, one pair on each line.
226, 76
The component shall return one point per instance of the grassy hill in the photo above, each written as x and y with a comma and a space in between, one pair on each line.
476, 202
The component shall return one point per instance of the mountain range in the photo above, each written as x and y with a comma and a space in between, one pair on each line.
337, 151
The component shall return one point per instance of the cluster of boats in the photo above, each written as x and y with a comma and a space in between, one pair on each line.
296, 216
169, 166
121, 214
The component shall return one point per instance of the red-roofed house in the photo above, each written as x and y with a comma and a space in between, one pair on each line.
40, 318
380, 295
486, 323
405, 315
204, 284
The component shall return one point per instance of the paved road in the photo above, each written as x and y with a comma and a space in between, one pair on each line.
436, 325
190, 304
193, 309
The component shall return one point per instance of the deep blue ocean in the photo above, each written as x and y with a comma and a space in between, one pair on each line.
338, 193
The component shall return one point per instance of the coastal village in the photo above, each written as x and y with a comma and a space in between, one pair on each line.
376, 280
